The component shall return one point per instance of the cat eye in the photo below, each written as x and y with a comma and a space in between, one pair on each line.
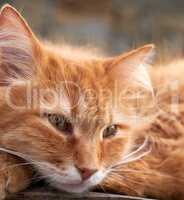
60, 122
110, 131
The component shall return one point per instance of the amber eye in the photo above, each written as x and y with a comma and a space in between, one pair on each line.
60, 122
110, 131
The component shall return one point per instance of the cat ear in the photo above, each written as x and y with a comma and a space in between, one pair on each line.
19, 48
131, 68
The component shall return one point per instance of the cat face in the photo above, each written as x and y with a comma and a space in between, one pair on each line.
61, 108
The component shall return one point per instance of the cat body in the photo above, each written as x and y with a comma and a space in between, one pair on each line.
67, 112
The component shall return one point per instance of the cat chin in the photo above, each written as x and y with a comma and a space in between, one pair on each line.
80, 188
83, 186
70, 179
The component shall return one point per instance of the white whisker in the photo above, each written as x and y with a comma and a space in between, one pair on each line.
18, 154
40, 165
139, 153
38, 178
25, 157
137, 157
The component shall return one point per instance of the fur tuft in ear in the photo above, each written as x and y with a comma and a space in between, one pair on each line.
132, 68
18, 47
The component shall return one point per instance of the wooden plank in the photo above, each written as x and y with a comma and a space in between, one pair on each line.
44, 194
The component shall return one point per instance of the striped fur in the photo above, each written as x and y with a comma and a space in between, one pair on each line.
144, 157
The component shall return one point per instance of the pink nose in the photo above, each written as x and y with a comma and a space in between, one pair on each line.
86, 173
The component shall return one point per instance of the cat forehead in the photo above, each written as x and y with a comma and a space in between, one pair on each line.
82, 105
57, 66
76, 84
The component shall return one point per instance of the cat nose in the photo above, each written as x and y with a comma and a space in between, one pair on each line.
86, 173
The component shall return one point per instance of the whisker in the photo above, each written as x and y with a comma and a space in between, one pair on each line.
40, 177
15, 153
34, 163
25, 157
116, 172
139, 153
15, 165
136, 158
101, 187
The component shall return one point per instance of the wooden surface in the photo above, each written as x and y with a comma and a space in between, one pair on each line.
45, 194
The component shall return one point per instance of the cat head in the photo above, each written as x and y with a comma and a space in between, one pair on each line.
66, 110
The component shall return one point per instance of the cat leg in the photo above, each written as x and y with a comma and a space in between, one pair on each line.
14, 175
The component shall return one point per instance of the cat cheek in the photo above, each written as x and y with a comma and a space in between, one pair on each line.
115, 149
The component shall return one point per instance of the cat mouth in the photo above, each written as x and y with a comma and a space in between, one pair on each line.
78, 186
75, 188
73, 184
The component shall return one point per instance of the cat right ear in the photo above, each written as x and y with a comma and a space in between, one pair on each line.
131, 68
19, 48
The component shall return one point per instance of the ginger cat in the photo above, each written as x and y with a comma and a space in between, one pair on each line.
68, 114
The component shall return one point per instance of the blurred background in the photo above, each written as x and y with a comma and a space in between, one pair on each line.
112, 25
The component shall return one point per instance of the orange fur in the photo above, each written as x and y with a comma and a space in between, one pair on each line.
92, 92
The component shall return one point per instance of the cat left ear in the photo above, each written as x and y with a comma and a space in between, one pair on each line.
19, 48
131, 68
